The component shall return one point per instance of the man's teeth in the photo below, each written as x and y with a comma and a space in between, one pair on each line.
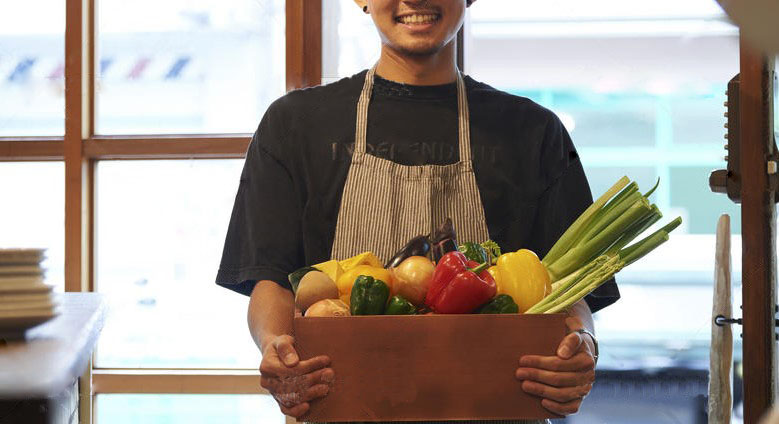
417, 19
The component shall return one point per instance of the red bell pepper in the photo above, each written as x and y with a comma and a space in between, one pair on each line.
459, 285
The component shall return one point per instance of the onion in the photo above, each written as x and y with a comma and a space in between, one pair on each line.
412, 278
328, 308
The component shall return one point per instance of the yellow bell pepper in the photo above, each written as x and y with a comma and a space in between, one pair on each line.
346, 280
522, 276
365, 258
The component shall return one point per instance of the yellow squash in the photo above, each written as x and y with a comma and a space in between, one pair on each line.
331, 268
522, 276
365, 258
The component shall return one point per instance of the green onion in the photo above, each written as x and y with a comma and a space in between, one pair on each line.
649, 193
595, 246
593, 249
570, 235
635, 231
619, 198
612, 213
640, 249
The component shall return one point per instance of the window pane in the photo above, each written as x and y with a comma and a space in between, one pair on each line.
33, 212
189, 67
701, 208
350, 42
186, 409
32, 68
160, 229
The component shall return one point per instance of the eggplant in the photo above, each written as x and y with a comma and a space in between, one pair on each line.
443, 240
417, 246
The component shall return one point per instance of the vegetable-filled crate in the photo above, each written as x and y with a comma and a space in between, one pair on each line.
440, 367
437, 331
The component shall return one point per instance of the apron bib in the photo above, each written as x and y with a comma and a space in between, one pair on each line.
385, 204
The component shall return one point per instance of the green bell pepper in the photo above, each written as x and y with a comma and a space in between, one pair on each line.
501, 304
398, 305
369, 296
474, 252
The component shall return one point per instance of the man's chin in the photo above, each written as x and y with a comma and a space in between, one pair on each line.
419, 49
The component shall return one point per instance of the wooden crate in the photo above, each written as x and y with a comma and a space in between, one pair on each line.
431, 367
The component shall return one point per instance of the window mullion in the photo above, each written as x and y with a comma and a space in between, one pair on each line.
78, 203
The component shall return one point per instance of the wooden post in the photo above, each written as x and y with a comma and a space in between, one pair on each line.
758, 228
721, 359
304, 43
79, 125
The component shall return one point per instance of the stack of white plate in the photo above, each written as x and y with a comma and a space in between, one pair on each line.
25, 301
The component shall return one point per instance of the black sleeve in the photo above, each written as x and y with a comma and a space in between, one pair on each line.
567, 196
264, 240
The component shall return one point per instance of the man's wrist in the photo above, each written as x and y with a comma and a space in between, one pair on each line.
593, 339
267, 340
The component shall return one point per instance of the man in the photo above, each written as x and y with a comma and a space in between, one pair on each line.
426, 144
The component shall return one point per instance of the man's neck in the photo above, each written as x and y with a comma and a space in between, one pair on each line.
438, 68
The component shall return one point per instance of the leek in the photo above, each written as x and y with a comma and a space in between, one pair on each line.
593, 247
567, 239
636, 230
598, 244
649, 193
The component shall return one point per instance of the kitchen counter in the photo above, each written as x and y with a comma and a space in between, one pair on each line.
39, 375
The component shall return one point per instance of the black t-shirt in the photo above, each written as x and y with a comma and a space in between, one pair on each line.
530, 179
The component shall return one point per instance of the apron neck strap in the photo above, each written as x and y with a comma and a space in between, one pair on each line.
464, 130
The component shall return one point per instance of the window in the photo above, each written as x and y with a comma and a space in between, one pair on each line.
32, 68
349, 40
160, 231
188, 67
33, 195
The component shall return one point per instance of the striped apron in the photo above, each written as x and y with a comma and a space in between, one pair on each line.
384, 204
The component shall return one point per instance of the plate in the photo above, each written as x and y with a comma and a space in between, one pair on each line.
21, 256
19, 270
24, 288
23, 306
24, 297
21, 279
27, 313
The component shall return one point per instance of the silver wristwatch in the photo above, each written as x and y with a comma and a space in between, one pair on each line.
594, 342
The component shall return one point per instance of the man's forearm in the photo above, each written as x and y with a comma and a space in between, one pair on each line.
271, 310
581, 310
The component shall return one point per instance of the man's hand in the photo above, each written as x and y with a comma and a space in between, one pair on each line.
294, 383
562, 380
